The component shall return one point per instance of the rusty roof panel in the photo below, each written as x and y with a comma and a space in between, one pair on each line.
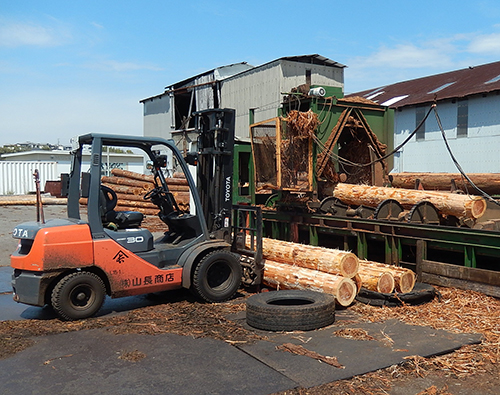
450, 85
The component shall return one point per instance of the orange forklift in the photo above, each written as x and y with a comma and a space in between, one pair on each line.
72, 264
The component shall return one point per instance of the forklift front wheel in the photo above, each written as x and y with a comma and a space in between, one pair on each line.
217, 276
78, 295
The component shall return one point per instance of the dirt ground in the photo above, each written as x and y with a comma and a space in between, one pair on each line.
473, 369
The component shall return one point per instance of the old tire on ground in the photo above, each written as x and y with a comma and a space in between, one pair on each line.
217, 276
421, 293
78, 295
290, 310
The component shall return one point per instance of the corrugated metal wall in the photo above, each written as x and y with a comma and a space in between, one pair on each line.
16, 177
477, 152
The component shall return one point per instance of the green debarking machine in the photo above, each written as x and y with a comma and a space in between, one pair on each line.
320, 139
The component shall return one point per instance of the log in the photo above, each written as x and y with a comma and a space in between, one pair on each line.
133, 175
404, 278
146, 211
327, 260
128, 181
125, 189
147, 177
487, 182
283, 276
180, 197
447, 203
29, 200
377, 281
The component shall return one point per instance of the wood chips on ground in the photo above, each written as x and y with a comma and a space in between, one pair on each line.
176, 312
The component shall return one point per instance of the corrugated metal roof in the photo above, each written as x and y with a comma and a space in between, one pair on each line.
314, 59
454, 84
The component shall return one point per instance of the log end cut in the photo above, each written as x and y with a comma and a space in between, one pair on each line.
477, 207
405, 281
346, 292
349, 265
386, 283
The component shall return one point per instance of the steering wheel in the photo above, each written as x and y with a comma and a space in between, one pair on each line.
108, 199
152, 193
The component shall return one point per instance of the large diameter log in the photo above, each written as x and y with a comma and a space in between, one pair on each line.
404, 278
283, 276
327, 260
446, 203
487, 182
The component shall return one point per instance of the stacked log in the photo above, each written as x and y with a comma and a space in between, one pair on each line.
460, 206
130, 188
296, 266
403, 279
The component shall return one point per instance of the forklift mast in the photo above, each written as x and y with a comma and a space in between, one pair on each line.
215, 169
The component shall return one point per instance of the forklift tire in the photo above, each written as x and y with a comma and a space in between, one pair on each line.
290, 310
78, 295
217, 276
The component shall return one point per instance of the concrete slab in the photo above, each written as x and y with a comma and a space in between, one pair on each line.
10, 310
5, 277
394, 340
90, 362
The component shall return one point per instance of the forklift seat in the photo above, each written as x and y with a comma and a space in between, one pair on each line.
124, 219
118, 219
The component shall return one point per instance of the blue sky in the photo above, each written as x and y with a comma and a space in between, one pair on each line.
73, 67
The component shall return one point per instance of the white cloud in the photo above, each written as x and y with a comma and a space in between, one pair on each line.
16, 34
485, 44
113, 65
403, 61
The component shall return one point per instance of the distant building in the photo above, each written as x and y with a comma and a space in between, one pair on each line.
254, 92
468, 104
16, 169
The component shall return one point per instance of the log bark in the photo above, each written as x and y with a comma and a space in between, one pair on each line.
283, 276
487, 182
327, 260
404, 278
447, 203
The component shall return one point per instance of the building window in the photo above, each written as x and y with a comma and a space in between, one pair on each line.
462, 118
419, 116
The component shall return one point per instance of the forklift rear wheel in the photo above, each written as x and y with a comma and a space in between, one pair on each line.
217, 276
78, 295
